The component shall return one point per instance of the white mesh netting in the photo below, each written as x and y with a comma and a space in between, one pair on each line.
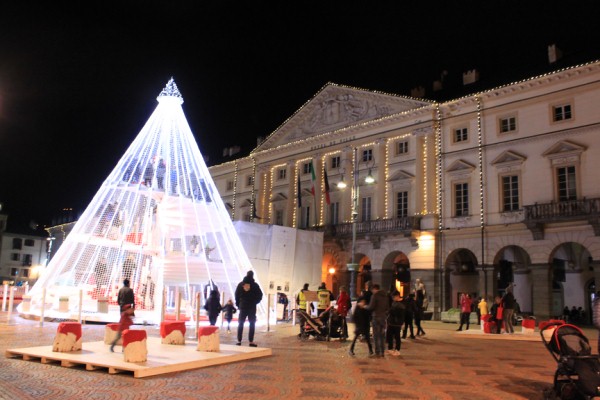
157, 220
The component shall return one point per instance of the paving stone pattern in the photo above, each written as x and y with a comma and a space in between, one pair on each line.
440, 365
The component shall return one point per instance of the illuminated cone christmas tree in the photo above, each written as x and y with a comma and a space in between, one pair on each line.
157, 220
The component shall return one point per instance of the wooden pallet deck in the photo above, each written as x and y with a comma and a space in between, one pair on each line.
162, 358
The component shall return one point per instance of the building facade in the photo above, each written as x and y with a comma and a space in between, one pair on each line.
22, 256
470, 195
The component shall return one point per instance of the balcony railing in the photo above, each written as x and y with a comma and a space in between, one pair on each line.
537, 215
403, 225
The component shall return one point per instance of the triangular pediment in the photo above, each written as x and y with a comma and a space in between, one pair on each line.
460, 166
508, 158
400, 176
564, 148
278, 197
335, 107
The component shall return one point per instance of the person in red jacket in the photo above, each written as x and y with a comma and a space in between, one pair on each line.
124, 323
344, 305
465, 310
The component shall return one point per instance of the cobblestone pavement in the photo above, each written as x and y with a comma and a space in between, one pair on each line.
440, 365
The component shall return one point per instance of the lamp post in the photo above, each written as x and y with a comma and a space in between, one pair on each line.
353, 266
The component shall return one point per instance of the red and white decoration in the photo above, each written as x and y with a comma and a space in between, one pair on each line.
208, 339
135, 349
110, 333
528, 326
68, 337
172, 332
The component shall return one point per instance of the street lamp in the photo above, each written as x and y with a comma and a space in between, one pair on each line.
353, 266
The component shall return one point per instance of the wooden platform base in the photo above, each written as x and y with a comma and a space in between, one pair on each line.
162, 358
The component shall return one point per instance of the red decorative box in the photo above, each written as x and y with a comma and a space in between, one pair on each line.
166, 327
70, 327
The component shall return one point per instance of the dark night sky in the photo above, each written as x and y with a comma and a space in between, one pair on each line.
78, 80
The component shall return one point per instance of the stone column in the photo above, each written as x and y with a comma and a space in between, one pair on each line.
262, 196
290, 204
379, 175
316, 215
346, 197
542, 291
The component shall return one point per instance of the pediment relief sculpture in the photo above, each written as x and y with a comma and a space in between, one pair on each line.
336, 107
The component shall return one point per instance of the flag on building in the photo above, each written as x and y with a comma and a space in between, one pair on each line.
299, 193
313, 178
326, 181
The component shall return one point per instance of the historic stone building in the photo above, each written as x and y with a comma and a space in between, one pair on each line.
469, 195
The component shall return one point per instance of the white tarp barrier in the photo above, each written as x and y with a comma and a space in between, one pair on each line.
286, 257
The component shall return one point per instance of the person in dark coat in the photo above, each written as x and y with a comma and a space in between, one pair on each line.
410, 307
379, 307
125, 295
395, 321
508, 303
247, 296
229, 310
213, 306
362, 322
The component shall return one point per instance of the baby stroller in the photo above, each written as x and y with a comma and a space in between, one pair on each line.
334, 323
326, 326
578, 373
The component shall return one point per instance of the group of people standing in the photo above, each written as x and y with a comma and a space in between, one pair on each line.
389, 316
501, 313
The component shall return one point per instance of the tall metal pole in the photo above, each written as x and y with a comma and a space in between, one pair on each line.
354, 215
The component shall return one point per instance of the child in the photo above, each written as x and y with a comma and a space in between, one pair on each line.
362, 321
213, 306
395, 321
229, 310
124, 323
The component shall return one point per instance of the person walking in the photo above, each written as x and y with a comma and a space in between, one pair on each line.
125, 296
379, 307
395, 321
213, 307
124, 323
247, 295
410, 307
508, 304
229, 310
362, 323
465, 310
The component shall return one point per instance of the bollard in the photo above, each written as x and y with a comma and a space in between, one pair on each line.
43, 307
177, 304
163, 305
4, 297
10, 303
197, 313
80, 304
